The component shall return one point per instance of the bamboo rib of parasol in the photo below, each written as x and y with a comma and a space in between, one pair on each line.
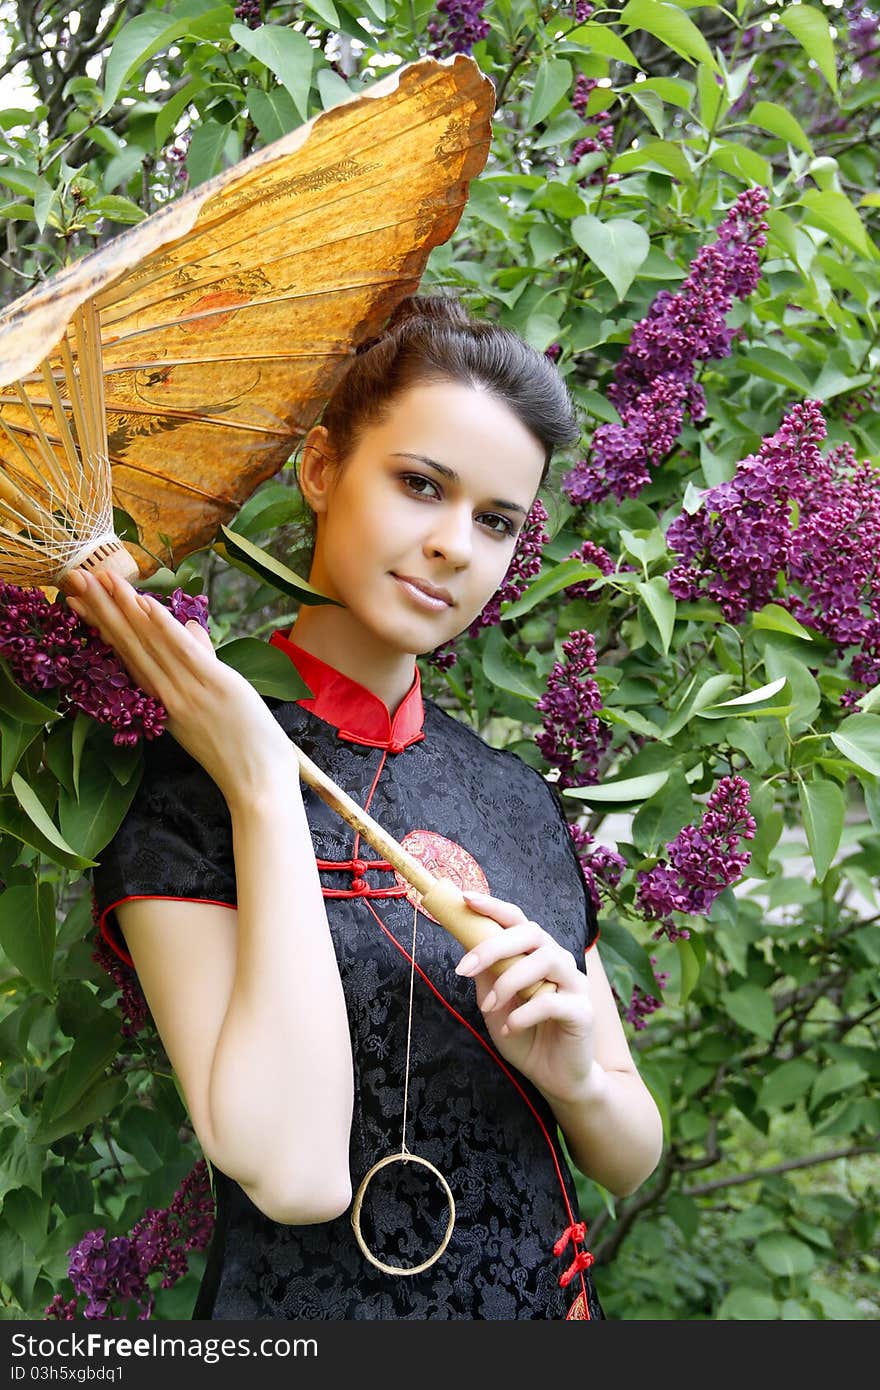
439, 895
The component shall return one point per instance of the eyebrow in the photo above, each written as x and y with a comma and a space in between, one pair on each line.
453, 477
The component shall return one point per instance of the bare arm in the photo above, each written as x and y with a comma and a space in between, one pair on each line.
613, 1132
249, 1005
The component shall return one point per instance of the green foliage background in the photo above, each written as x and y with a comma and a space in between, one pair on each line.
763, 1058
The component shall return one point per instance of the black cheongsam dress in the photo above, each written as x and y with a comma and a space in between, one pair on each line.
485, 819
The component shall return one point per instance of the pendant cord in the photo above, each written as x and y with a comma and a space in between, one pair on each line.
412, 978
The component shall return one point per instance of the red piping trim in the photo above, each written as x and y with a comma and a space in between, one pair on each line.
144, 897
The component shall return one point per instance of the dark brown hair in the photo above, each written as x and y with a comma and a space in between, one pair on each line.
433, 338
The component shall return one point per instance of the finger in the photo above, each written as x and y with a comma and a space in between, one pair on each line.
505, 913
523, 936
561, 1007
542, 964
123, 624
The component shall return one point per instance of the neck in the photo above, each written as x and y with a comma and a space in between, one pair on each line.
328, 633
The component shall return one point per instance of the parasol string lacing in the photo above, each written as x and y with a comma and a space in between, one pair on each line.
55, 510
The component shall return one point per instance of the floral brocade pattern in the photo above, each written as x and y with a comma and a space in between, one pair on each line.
464, 1115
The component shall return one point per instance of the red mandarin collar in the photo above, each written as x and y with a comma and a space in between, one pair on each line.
358, 715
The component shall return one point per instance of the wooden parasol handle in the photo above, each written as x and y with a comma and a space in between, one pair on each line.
438, 895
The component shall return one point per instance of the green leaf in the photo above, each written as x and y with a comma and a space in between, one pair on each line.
752, 1009
695, 699
778, 619
839, 1076
623, 792
237, 550
835, 214
618, 248
273, 112
742, 163
118, 209
601, 38
205, 151
776, 120
858, 738
775, 366
138, 40
91, 816
745, 1304
267, 668
671, 26
665, 813
561, 576
822, 808
506, 667
326, 11
783, 1255
83, 1066
285, 52
27, 932
98, 1103
689, 969
19, 704
622, 942
661, 155
813, 32
751, 702
661, 605
15, 739
552, 81
35, 811
786, 1084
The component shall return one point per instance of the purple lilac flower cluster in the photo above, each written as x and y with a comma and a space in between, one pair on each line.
590, 554
654, 381
737, 542
581, 9
111, 1274
524, 565
701, 860
49, 648
745, 535
600, 120
250, 11
602, 867
642, 1005
833, 562
572, 737
462, 27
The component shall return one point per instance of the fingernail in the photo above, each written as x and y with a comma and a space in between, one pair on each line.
491, 1000
467, 965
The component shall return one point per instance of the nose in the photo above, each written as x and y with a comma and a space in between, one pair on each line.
451, 534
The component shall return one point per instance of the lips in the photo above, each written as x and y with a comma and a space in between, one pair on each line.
430, 589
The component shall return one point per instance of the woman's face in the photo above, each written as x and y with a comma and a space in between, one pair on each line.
389, 512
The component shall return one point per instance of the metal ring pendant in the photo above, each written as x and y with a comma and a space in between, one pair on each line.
358, 1201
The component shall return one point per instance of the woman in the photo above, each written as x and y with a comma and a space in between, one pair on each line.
277, 956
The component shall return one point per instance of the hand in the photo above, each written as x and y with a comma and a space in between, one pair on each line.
550, 1037
214, 713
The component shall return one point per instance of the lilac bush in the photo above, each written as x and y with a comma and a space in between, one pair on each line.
701, 861
112, 1274
654, 383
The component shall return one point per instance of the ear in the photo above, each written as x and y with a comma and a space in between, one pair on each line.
317, 467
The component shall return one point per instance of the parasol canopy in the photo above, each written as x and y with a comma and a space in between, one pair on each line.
192, 351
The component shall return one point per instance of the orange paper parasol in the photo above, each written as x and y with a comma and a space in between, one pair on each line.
171, 371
